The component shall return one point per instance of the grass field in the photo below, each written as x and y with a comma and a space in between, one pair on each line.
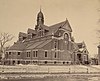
51, 69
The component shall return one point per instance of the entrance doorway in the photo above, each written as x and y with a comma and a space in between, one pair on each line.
79, 58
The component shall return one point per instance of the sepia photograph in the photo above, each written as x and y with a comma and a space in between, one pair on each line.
49, 40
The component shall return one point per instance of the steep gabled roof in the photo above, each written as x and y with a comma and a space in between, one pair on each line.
18, 46
44, 27
81, 45
21, 34
33, 45
64, 25
31, 31
75, 46
38, 44
44, 43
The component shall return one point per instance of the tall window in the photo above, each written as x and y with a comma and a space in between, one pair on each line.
66, 37
9, 53
55, 55
35, 53
28, 54
29, 35
6, 54
45, 53
55, 44
41, 32
18, 53
71, 56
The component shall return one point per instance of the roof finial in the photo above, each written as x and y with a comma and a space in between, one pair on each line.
40, 8
66, 19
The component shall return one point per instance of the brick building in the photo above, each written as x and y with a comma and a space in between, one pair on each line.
47, 45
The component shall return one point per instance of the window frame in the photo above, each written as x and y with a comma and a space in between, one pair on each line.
28, 54
46, 54
34, 54
9, 53
19, 53
55, 55
66, 36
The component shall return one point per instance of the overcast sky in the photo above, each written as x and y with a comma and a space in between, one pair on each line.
83, 15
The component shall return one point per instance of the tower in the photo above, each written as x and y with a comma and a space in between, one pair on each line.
40, 22
40, 18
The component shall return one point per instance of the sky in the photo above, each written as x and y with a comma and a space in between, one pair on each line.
83, 15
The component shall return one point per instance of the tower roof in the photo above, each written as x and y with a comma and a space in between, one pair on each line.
40, 18
40, 14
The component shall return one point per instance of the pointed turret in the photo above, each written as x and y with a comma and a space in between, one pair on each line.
40, 18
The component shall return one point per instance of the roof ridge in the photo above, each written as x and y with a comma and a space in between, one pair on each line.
57, 23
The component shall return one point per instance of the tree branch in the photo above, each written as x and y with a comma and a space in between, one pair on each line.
4, 38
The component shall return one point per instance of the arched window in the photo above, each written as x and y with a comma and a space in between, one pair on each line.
66, 37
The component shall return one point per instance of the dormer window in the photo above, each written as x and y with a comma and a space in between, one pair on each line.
59, 34
24, 38
45, 31
29, 35
41, 32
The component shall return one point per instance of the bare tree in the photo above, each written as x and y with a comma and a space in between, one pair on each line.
4, 38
